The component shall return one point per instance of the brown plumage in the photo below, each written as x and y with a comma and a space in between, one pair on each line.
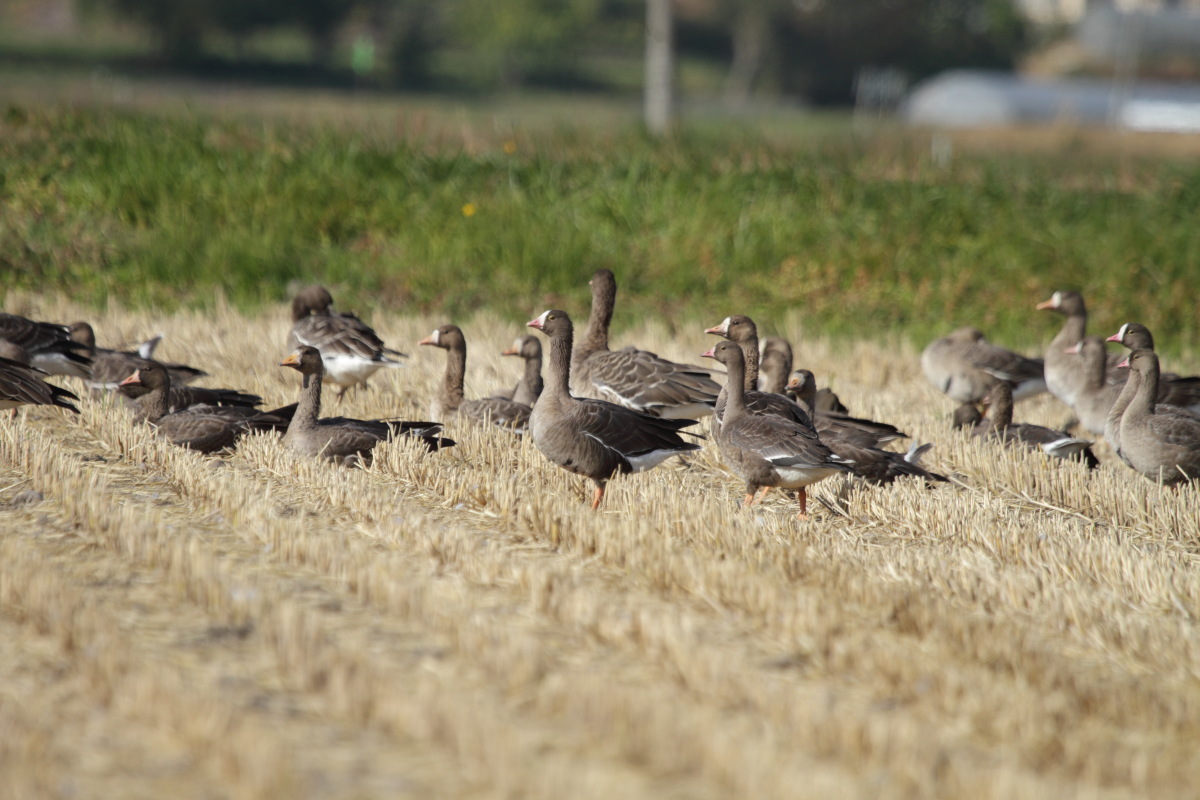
180, 398
1160, 442
963, 364
1173, 389
1064, 370
592, 437
450, 400
766, 450
48, 345
110, 367
352, 351
1035, 437
206, 429
529, 387
21, 384
636, 379
775, 369
342, 439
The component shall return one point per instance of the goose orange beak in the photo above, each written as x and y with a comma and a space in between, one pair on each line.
1045, 304
291, 361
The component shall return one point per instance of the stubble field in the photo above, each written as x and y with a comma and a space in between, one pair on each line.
461, 625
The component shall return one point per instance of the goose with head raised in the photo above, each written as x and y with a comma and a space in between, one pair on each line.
451, 398
1160, 442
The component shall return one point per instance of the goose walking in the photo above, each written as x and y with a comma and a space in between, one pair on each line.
591, 437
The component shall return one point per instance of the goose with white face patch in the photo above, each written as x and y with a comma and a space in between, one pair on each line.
591, 437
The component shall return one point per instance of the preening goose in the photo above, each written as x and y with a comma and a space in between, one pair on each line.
110, 367
963, 364
636, 379
1160, 442
766, 450
591, 437
352, 351
48, 346
21, 384
207, 429
450, 400
342, 439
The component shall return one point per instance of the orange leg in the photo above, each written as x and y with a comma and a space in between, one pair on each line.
802, 496
762, 495
748, 500
597, 498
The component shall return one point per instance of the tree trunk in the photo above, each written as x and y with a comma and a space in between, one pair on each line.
751, 32
660, 67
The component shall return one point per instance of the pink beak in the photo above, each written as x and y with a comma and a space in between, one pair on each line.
534, 323
717, 329
1124, 363
1073, 349
709, 352
1116, 337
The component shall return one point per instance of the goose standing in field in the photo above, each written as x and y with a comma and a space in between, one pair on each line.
529, 387
591, 437
342, 439
1064, 370
352, 351
1160, 442
1173, 389
21, 384
775, 369
766, 450
636, 379
742, 331
48, 345
870, 463
1035, 437
206, 429
507, 414
963, 364
110, 367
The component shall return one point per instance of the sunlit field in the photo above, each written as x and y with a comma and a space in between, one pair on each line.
460, 624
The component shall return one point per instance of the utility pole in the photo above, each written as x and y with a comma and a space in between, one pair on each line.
660, 67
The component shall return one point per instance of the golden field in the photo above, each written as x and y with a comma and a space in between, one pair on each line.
461, 625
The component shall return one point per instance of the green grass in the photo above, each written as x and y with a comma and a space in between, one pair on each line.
857, 238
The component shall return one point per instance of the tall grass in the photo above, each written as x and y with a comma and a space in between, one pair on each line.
862, 238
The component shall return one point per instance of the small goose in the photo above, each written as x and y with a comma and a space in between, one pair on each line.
110, 367
775, 370
1160, 442
591, 437
636, 379
206, 429
341, 439
507, 414
766, 450
352, 351
529, 387
1035, 437
21, 384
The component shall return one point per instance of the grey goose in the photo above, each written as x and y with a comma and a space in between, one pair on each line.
1064, 370
592, 437
775, 368
451, 398
765, 450
637, 379
352, 351
963, 363
342, 439
529, 349
1173, 389
48, 345
1160, 442
206, 429
110, 367
1000, 427
21, 384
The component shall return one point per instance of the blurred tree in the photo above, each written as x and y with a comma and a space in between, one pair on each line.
321, 20
178, 25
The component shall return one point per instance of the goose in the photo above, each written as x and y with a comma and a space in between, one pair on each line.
1173, 389
963, 364
1035, 437
352, 351
637, 379
592, 437
871, 463
1064, 370
206, 429
742, 331
21, 384
1160, 442
775, 370
181, 398
110, 367
1095, 395
507, 414
529, 387
766, 450
341, 439
48, 345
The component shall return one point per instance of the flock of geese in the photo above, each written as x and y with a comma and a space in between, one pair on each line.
602, 412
